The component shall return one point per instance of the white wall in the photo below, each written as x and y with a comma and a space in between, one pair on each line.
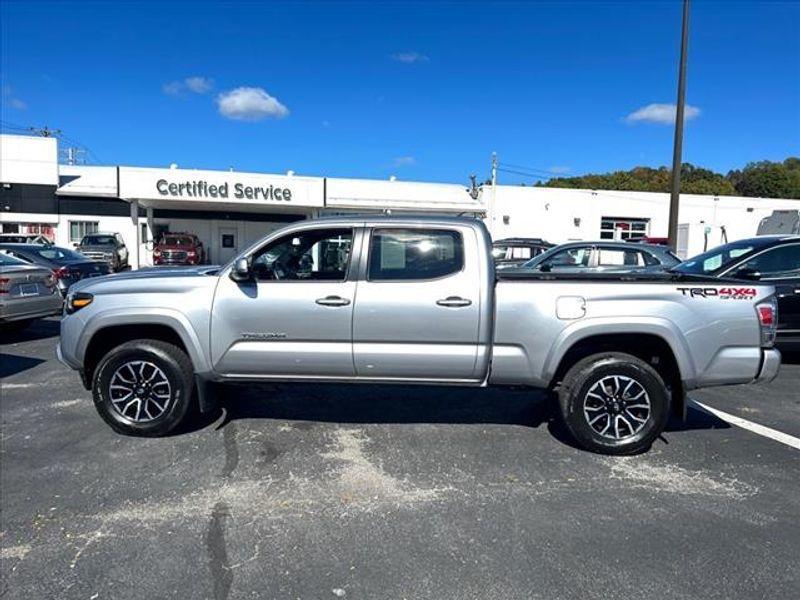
375, 194
550, 213
28, 159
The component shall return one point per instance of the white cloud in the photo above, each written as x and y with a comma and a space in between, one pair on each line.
326, 124
559, 169
250, 104
404, 161
12, 100
663, 114
409, 57
199, 85
196, 85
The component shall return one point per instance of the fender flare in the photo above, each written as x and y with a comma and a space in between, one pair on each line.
657, 326
168, 317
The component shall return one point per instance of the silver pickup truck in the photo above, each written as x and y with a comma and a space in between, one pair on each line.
413, 300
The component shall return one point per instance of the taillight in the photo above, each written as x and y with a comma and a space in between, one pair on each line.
4, 287
191, 253
62, 273
768, 320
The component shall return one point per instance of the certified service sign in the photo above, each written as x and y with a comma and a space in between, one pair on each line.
190, 186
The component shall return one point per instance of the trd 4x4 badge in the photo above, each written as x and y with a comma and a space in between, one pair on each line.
726, 293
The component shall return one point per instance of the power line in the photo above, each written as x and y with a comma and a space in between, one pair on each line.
532, 175
529, 169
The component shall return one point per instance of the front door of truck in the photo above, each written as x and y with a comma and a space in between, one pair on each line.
418, 305
294, 318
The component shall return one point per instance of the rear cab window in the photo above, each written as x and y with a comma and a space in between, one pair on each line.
407, 254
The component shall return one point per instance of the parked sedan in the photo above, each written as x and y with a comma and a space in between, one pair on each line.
67, 265
611, 257
772, 259
27, 292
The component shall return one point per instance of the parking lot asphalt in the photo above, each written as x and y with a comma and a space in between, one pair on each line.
334, 491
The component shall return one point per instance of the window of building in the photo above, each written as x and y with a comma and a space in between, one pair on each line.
78, 229
623, 228
414, 254
314, 255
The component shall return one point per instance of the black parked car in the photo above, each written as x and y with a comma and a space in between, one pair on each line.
512, 252
774, 260
67, 265
603, 257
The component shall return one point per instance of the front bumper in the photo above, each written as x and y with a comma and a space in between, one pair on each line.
770, 365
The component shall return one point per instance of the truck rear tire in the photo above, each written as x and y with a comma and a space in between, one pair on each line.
614, 403
144, 388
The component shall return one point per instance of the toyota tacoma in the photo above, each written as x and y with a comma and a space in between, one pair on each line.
414, 300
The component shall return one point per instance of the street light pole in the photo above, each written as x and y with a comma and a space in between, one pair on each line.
675, 191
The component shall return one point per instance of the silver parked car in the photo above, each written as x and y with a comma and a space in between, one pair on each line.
603, 257
27, 292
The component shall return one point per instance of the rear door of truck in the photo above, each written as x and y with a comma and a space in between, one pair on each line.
418, 303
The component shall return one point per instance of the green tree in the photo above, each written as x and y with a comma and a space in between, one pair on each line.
759, 179
694, 180
766, 179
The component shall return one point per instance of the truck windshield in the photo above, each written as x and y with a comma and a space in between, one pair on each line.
98, 240
710, 261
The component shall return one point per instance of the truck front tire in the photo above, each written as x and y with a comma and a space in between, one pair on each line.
144, 388
614, 403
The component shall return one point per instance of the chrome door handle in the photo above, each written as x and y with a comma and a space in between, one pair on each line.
333, 301
454, 302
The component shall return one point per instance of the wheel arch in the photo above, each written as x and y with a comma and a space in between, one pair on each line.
108, 330
653, 347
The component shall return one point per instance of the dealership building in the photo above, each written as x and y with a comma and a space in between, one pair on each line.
228, 210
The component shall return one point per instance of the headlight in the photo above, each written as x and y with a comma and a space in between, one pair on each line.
76, 301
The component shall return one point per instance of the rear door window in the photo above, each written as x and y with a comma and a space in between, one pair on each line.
414, 254
618, 257
570, 258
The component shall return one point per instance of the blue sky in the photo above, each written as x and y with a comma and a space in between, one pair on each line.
424, 91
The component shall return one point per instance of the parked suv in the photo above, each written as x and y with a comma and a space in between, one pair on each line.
609, 257
179, 249
106, 248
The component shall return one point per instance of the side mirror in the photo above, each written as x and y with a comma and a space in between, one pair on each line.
75, 244
545, 268
752, 274
241, 270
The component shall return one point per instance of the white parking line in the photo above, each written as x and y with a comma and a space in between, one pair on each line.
773, 434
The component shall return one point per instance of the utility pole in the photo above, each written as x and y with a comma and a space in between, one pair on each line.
675, 191
493, 197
